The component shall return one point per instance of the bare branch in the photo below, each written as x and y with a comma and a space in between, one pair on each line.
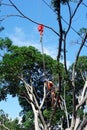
84, 90
27, 99
76, 42
84, 4
70, 20
83, 124
80, 1
64, 19
83, 42
35, 100
66, 112
31, 19
81, 102
10, 15
65, 35
83, 77
60, 31
44, 96
69, 26
77, 123
23, 16
73, 80
4, 126
5, 4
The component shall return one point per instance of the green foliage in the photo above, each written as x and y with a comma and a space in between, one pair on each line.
5, 43
69, 102
56, 3
9, 123
21, 60
28, 120
82, 64
17, 61
80, 113
82, 31
55, 117
47, 113
80, 72
26, 61
3, 94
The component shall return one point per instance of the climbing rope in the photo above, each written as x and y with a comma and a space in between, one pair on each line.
41, 29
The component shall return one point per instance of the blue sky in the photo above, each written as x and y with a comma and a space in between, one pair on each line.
11, 107
24, 33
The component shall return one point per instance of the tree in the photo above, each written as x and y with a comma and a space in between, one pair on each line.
21, 66
67, 80
8, 124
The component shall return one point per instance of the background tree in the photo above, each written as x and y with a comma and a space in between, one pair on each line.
8, 124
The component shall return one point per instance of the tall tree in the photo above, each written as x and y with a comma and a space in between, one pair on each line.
22, 72
65, 80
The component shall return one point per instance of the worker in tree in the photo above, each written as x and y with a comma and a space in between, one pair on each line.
51, 89
56, 99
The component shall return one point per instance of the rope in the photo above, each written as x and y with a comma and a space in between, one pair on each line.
42, 53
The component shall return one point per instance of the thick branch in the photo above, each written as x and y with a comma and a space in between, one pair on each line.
84, 90
66, 112
83, 42
4, 126
60, 31
27, 98
73, 81
80, 1
44, 97
69, 26
83, 124
81, 102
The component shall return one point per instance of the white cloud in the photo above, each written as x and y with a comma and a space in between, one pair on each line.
21, 39
17, 35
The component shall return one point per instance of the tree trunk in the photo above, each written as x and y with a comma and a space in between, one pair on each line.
36, 120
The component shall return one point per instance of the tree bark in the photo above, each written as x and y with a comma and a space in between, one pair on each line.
83, 124
36, 120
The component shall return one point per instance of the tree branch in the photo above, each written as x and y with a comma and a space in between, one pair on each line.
84, 90
10, 15
66, 112
44, 97
27, 99
73, 81
80, 1
31, 19
6, 4
4, 126
63, 18
81, 102
83, 42
83, 124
